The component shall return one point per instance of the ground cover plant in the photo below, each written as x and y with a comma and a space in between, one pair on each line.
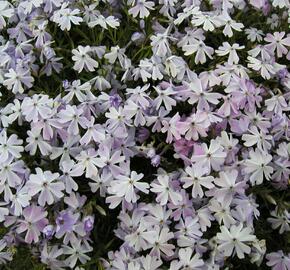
144, 134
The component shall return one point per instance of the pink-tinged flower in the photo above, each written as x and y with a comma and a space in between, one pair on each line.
160, 242
125, 186
236, 239
46, 185
278, 260
174, 128
33, 223
165, 190
9, 146
198, 124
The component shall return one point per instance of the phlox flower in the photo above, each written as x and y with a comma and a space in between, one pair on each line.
83, 59
76, 251
17, 79
187, 260
141, 8
196, 178
125, 186
236, 239
211, 157
9, 146
281, 220
33, 223
258, 166
46, 185
165, 191
65, 16
278, 260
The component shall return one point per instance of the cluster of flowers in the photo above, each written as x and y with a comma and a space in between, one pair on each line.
176, 113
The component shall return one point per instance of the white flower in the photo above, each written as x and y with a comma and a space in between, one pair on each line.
236, 239
278, 43
227, 49
265, 67
88, 161
208, 21
17, 79
164, 97
35, 140
201, 51
28, 5
165, 191
159, 242
69, 171
65, 16
104, 22
45, 183
254, 34
197, 179
142, 8
281, 220
6, 11
228, 186
212, 156
230, 24
257, 166
140, 237
19, 200
3, 211
77, 251
124, 186
187, 260
83, 60
160, 43
257, 138
222, 213
9, 146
